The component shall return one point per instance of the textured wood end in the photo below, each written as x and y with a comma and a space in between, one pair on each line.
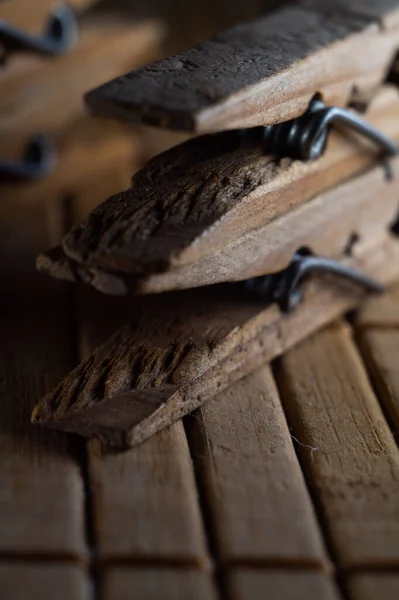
241, 77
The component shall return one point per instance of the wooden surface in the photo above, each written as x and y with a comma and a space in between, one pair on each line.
245, 76
198, 214
270, 490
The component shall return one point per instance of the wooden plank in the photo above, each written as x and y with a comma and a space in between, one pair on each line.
21, 581
198, 213
145, 500
373, 586
41, 499
42, 95
167, 363
247, 584
379, 348
380, 312
302, 47
146, 584
259, 506
354, 462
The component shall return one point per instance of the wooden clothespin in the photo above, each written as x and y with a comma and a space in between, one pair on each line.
270, 202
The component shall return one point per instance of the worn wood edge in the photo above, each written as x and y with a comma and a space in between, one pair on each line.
271, 334
163, 251
253, 102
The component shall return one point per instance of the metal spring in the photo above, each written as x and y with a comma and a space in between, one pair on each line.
286, 287
305, 137
59, 36
38, 161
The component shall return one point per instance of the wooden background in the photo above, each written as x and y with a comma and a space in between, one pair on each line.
284, 487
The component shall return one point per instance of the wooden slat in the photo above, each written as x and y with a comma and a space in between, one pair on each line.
247, 584
261, 512
153, 583
302, 47
41, 498
197, 345
347, 447
380, 312
380, 350
145, 500
373, 586
44, 95
35, 582
207, 211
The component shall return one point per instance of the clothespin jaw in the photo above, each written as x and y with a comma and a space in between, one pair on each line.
291, 165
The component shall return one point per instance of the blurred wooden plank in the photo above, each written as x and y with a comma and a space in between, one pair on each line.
260, 509
247, 584
145, 500
153, 583
166, 363
302, 47
380, 312
41, 498
44, 95
354, 462
373, 586
22, 581
380, 350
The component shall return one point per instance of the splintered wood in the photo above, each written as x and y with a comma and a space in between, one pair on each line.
207, 211
302, 47
166, 363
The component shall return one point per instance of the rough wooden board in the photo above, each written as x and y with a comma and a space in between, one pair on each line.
38, 581
348, 451
189, 203
145, 503
247, 584
42, 95
197, 345
260, 509
41, 497
373, 586
380, 350
246, 76
152, 583
380, 312
145, 500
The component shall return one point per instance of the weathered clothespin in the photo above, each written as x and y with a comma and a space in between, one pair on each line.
299, 177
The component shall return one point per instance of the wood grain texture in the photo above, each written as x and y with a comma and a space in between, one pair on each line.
166, 363
247, 584
41, 498
260, 510
245, 76
380, 312
373, 586
189, 209
38, 581
379, 348
347, 448
151, 584
42, 95
144, 501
